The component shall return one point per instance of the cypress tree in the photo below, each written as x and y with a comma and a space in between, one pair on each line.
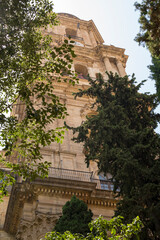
121, 138
75, 217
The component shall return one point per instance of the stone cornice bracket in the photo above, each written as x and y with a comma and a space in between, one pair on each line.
105, 203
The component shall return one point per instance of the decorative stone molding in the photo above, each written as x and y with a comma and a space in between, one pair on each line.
112, 52
42, 224
50, 188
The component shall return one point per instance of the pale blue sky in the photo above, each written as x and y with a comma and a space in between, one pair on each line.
117, 22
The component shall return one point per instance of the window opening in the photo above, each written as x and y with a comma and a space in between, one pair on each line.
105, 182
81, 70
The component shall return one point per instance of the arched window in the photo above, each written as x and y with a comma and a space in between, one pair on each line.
81, 70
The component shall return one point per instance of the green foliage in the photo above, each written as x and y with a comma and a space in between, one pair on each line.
28, 66
102, 229
155, 74
63, 236
75, 218
149, 25
149, 35
121, 139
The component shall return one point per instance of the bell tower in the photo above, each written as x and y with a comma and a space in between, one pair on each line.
92, 57
34, 207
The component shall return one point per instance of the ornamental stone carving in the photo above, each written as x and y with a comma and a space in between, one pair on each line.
32, 230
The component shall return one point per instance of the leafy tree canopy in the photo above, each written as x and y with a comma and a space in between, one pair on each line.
28, 65
149, 25
120, 137
101, 229
75, 218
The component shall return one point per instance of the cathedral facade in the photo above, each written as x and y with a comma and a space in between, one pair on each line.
32, 209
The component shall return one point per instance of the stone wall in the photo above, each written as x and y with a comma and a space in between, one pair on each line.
3, 209
5, 236
35, 207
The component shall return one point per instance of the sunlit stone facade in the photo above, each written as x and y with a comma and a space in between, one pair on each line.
34, 207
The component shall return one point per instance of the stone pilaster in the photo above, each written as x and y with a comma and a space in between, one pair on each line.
121, 69
108, 64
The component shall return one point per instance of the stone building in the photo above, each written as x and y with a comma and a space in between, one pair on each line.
33, 208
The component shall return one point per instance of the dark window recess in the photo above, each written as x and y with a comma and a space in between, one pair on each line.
72, 33
81, 70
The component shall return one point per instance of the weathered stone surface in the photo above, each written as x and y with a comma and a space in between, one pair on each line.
6, 236
35, 207
3, 209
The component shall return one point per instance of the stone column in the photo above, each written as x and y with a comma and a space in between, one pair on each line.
121, 69
107, 64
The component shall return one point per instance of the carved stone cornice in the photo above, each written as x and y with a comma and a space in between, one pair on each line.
112, 52
51, 187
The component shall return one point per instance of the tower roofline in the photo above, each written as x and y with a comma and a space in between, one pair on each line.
89, 24
68, 15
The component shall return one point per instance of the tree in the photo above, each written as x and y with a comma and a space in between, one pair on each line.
28, 65
155, 73
120, 137
104, 230
75, 218
149, 25
149, 35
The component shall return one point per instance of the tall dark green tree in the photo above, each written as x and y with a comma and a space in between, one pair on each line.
121, 138
29, 65
75, 218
